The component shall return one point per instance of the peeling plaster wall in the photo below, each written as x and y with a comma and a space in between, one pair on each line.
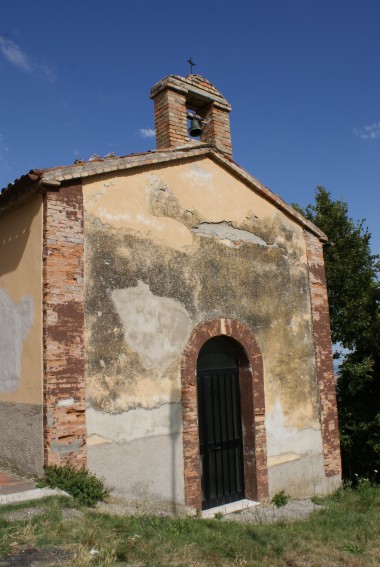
295, 457
21, 431
158, 331
140, 451
167, 249
15, 323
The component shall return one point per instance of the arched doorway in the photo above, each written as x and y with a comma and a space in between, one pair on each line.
247, 356
220, 424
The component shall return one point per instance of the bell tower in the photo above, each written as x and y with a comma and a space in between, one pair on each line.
175, 98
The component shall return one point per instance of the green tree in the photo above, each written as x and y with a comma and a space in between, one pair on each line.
352, 274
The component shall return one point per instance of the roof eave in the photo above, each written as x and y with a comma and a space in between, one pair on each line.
55, 176
21, 191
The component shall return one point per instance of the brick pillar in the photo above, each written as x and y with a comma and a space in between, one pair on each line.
64, 383
323, 355
170, 119
217, 129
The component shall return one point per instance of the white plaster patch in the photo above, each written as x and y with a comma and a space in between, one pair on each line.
284, 458
295, 324
97, 440
290, 440
198, 176
66, 403
15, 323
156, 327
134, 424
228, 235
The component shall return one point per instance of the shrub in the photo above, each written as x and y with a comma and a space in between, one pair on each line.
367, 493
84, 486
280, 499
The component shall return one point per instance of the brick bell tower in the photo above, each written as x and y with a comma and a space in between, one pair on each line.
175, 98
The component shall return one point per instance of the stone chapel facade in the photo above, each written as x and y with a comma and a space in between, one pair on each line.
164, 321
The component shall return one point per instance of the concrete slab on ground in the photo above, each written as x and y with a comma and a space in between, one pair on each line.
14, 489
34, 494
10, 484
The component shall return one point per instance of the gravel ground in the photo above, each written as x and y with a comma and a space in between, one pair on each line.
29, 513
260, 514
32, 557
119, 506
23, 514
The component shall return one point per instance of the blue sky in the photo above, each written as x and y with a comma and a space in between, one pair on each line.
302, 77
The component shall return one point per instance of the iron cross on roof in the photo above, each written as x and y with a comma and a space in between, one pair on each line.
192, 64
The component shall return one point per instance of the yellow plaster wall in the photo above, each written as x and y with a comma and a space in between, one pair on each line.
172, 246
166, 205
201, 187
21, 286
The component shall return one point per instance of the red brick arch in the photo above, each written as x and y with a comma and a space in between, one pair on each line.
251, 377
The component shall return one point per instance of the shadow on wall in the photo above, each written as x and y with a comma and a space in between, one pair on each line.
15, 230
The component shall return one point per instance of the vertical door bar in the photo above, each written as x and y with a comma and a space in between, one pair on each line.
233, 412
221, 433
240, 435
214, 436
228, 432
220, 436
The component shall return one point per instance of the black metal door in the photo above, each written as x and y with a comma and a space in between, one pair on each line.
220, 437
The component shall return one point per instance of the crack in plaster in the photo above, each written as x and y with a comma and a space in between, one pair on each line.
134, 424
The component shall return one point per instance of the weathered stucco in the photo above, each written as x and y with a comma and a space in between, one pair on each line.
155, 327
134, 424
21, 436
166, 250
145, 469
21, 304
21, 429
15, 323
140, 451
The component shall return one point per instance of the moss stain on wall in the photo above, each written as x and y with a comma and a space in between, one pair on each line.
180, 238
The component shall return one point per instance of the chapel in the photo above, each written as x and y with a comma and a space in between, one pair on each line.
164, 321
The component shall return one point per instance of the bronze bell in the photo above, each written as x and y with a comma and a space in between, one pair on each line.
195, 128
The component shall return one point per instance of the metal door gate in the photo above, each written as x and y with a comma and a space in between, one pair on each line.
220, 436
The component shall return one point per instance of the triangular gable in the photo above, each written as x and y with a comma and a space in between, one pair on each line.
57, 175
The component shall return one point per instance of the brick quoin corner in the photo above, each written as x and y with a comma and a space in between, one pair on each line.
323, 356
63, 305
251, 378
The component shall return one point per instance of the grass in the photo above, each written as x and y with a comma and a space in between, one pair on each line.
344, 533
